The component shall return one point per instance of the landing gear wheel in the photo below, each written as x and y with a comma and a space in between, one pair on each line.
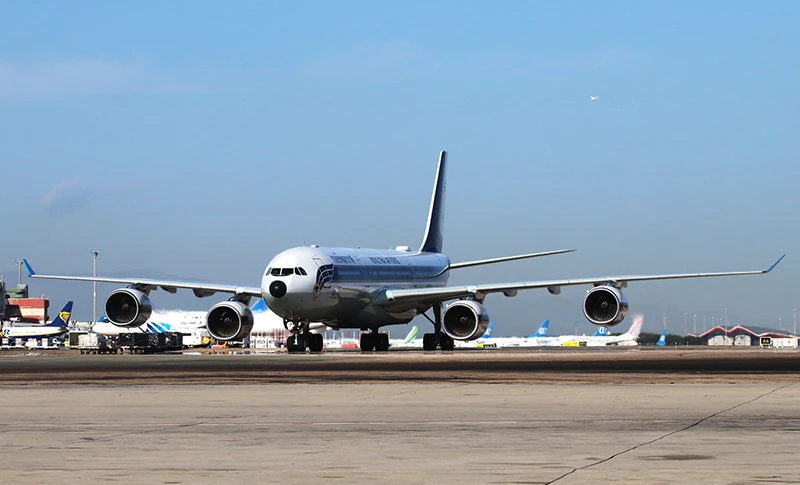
315, 342
429, 341
382, 342
291, 344
446, 343
367, 343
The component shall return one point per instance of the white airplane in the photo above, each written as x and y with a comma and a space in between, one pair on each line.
594, 98
539, 338
58, 326
356, 288
599, 339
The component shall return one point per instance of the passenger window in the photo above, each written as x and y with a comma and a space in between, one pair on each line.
276, 271
287, 271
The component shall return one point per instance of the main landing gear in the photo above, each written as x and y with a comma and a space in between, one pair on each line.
430, 341
374, 341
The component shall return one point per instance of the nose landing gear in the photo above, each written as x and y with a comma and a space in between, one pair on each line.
302, 339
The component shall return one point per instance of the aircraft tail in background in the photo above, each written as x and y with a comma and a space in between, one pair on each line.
62, 320
602, 332
542, 332
636, 327
411, 335
662, 341
259, 306
489, 330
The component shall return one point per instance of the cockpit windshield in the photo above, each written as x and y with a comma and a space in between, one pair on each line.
288, 271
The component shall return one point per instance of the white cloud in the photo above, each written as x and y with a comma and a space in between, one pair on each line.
78, 77
66, 196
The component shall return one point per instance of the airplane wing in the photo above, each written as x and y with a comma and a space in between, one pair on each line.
467, 264
391, 297
200, 289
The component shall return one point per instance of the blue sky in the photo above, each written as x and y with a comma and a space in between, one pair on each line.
201, 138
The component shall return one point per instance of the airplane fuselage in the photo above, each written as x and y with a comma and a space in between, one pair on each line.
33, 331
337, 286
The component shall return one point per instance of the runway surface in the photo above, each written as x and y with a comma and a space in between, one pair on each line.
623, 416
524, 365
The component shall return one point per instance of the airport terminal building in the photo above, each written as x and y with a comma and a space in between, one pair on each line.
743, 336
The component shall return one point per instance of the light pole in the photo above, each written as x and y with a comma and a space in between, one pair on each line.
795, 323
19, 273
726, 319
684, 323
695, 323
94, 285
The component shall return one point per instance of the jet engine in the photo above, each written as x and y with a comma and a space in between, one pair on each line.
465, 320
229, 320
128, 307
605, 305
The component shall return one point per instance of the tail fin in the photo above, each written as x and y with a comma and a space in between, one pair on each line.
432, 242
601, 332
662, 341
411, 335
259, 306
62, 320
489, 330
542, 332
158, 327
636, 327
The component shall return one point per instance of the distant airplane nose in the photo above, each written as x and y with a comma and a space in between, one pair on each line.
277, 289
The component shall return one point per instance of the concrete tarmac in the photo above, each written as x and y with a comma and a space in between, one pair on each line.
739, 428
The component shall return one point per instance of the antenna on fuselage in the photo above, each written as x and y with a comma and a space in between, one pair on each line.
432, 241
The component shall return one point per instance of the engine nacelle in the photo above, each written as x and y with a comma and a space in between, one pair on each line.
605, 305
465, 320
229, 320
128, 307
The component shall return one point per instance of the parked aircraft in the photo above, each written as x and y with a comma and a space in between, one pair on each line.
662, 341
631, 337
57, 326
359, 288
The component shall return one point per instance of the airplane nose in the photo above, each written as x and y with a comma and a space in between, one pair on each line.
277, 289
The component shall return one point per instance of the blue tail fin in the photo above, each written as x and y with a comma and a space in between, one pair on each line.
542, 332
259, 306
158, 327
62, 320
662, 341
601, 332
432, 242
489, 330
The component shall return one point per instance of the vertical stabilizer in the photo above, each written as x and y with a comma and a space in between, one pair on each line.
662, 341
542, 332
489, 330
636, 327
432, 242
62, 320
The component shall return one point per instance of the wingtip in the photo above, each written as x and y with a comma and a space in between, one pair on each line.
30, 270
774, 264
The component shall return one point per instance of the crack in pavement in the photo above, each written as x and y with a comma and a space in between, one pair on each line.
667, 435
